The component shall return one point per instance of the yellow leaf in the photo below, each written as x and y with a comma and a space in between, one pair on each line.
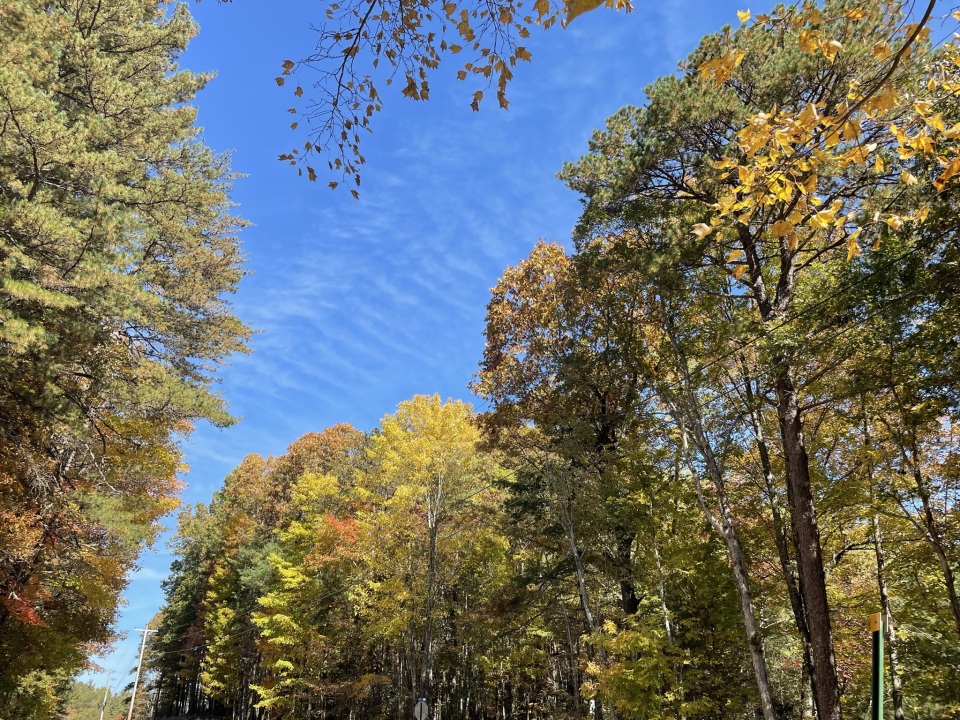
701, 230
792, 242
908, 178
881, 51
721, 68
922, 34
822, 220
738, 271
808, 117
850, 130
853, 247
724, 163
952, 169
894, 222
744, 15
936, 122
783, 191
882, 101
878, 165
809, 41
575, 8
830, 49
952, 133
781, 228
735, 255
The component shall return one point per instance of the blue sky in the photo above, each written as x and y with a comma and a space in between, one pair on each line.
359, 305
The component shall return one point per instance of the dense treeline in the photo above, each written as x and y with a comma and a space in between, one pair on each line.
356, 573
116, 250
721, 432
86, 701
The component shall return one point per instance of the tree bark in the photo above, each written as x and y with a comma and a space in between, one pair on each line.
787, 565
661, 583
813, 585
896, 686
683, 409
628, 592
932, 533
738, 563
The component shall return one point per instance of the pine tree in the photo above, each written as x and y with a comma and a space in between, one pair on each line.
117, 247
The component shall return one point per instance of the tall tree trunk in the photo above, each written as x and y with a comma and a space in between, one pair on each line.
932, 533
624, 560
566, 516
661, 584
574, 670
565, 508
910, 452
686, 409
813, 584
425, 654
787, 567
896, 687
738, 563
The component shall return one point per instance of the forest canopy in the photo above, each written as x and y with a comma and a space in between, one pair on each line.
719, 433
719, 428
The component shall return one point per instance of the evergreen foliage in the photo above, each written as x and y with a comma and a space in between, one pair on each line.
117, 248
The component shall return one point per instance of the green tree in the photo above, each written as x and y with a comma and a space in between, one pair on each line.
85, 700
783, 253
117, 249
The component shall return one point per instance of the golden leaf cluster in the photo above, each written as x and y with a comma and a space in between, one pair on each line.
777, 157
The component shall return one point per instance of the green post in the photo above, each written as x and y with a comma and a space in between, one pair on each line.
876, 701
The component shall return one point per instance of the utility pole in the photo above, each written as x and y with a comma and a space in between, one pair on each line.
106, 694
143, 646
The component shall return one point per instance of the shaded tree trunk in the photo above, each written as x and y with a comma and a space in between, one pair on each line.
787, 566
813, 585
688, 409
896, 686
